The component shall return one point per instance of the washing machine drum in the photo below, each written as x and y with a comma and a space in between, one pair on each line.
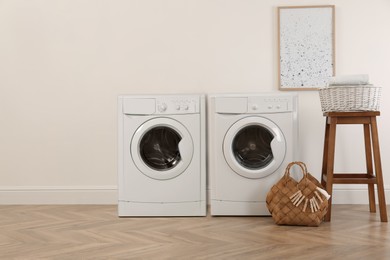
159, 148
254, 147
162, 148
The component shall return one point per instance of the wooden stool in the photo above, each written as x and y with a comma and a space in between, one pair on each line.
328, 177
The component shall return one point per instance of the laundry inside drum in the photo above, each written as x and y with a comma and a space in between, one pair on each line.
252, 147
159, 148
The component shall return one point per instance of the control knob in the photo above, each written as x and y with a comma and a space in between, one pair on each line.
162, 107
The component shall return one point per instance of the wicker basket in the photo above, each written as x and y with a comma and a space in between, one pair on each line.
350, 98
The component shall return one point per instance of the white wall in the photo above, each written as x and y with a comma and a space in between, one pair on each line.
63, 63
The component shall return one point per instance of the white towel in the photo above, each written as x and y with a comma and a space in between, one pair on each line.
361, 79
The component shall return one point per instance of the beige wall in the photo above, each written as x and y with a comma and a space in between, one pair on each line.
63, 64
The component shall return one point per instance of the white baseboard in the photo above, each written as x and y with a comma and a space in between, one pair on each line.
355, 194
349, 194
342, 194
58, 195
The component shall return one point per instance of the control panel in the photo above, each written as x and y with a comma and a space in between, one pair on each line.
177, 105
270, 104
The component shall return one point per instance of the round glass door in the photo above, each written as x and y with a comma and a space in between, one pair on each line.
159, 148
162, 148
254, 147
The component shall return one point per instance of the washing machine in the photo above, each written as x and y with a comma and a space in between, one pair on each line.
162, 157
252, 138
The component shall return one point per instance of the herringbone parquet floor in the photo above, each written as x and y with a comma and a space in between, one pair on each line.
95, 232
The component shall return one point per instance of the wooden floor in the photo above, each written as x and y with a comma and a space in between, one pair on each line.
95, 232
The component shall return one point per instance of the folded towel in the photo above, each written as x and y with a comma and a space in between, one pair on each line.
360, 79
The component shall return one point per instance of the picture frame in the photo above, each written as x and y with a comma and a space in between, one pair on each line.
306, 46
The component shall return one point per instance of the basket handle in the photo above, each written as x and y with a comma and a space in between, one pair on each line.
300, 164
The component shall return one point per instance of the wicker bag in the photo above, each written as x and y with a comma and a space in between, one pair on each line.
302, 203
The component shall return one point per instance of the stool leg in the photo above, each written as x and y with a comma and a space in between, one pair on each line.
378, 170
325, 156
330, 165
369, 167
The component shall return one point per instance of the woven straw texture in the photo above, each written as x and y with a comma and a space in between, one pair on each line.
350, 98
281, 206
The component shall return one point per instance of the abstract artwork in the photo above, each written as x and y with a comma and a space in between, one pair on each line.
306, 46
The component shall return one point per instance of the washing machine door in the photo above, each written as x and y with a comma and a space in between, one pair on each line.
162, 148
254, 147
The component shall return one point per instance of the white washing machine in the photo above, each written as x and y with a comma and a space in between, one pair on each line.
252, 138
162, 166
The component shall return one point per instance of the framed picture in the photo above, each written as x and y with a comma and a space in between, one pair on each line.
306, 42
